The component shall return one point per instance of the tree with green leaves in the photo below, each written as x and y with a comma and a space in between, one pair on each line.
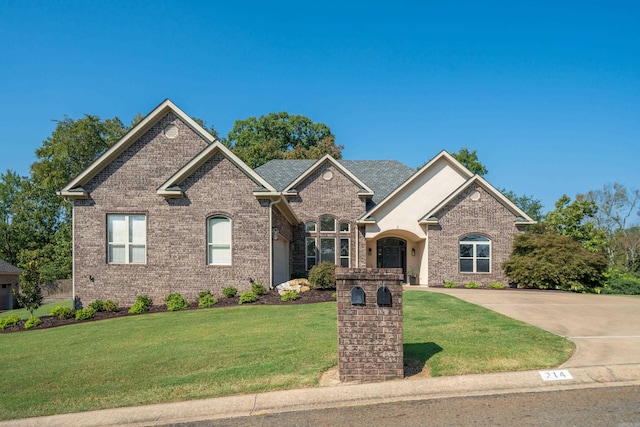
10, 240
616, 206
530, 205
576, 220
30, 293
469, 159
278, 136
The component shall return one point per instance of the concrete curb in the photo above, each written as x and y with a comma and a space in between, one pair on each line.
341, 396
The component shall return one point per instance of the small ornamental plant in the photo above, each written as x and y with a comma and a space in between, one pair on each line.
247, 297
142, 305
32, 322
205, 299
8, 322
450, 284
472, 285
258, 288
110, 306
85, 313
289, 296
496, 285
229, 292
176, 302
97, 305
63, 313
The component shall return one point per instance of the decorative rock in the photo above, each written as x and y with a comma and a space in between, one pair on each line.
298, 285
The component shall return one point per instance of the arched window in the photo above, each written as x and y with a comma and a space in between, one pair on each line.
219, 240
475, 254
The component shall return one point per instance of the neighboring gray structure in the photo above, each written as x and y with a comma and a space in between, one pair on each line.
170, 209
9, 280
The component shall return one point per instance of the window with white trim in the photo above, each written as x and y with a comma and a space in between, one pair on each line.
311, 251
475, 254
327, 224
219, 240
344, 227
344, 253
126, 239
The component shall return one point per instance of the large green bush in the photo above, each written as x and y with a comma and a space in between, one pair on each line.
323, 275
547, 260
621, 282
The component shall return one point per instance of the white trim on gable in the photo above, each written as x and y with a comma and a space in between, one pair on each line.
170, 188
429, 217
367, 219
72, 190
290, 190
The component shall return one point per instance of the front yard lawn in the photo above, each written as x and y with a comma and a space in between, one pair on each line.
194, 354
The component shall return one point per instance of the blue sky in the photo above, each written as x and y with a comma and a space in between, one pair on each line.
547, 92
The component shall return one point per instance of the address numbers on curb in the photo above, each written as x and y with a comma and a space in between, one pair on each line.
559, 375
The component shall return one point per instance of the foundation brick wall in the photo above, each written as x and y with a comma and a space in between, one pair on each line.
463, 216
370, 346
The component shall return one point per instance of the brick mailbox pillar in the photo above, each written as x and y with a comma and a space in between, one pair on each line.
369, 324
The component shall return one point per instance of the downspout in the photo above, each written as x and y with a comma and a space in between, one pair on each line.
271, 204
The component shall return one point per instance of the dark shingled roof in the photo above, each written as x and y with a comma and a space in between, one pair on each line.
5, 267
382, 176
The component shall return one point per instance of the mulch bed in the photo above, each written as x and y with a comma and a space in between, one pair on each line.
270, 298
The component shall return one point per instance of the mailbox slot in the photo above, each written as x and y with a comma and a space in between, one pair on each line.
383, 296
357, 296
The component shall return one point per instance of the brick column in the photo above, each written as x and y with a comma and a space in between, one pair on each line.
369, 335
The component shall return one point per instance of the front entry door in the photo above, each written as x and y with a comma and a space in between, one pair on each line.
392, 253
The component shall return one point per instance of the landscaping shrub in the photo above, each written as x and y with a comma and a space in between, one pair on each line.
85, 313
9, 321
176, 302
547, 260
205, 299
334, 295
258, 288
289, 296
141, 305
248, 297
472, 285
32, 322
97, 305
323, 275
63, 312
496, 285
110, 306
450, 284
229, 292
621, 282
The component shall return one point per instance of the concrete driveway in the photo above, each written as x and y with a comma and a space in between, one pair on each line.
605, 328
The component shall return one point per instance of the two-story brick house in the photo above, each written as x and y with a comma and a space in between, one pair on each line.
170, 209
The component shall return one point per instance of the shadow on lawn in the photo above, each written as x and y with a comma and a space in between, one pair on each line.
416, 357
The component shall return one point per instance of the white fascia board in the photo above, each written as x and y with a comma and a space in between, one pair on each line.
73, 194
130, 137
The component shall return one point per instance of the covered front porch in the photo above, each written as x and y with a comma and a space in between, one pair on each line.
399, 249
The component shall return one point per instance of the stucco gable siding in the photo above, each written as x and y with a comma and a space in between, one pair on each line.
405, 208
463, 216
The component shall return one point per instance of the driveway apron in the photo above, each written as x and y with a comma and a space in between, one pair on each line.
605, 328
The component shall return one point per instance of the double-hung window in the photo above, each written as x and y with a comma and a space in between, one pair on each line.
126, 239
219, 240
475, 254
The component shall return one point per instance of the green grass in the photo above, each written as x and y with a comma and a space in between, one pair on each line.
44, 310
184, 355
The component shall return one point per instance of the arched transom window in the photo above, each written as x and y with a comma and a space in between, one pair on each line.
475, 254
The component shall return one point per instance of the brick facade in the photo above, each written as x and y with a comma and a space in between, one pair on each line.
463, 216
370, 337
338, 198
176, 228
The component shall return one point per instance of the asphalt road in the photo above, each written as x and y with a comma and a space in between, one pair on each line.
614, 406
